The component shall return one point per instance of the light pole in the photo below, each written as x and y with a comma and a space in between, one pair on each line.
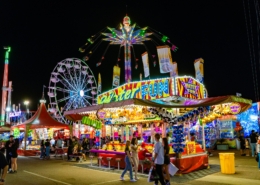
26, 103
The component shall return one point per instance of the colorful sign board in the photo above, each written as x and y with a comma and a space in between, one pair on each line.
188, 87
149, 90
235, 108
191, 147
101, 114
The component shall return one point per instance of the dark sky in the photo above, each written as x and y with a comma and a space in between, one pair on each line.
43, 33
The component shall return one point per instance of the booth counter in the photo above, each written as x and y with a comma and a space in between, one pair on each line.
186, 164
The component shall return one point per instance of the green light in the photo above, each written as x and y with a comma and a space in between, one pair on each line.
90, 41
164, 38
8, 49
142, 33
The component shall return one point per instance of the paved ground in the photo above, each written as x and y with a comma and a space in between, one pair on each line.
33, 171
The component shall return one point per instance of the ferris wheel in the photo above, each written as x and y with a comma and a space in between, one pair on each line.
72, 85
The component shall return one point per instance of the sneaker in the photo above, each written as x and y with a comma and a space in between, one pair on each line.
133, 180
167, 183
11, 172
15, 171
122, 178
137, 178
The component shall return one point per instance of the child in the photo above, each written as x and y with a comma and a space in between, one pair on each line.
247, 147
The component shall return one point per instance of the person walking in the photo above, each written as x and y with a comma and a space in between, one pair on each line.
14, 155
128, 163
242, 144
47, 145
166, 160
3, 168
253, 139
258, 151
134, 147
42, 150
158, 160
8, 151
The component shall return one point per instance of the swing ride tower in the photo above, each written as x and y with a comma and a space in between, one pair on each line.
126, 37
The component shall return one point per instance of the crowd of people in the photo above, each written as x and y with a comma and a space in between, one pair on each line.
160, 159
248, 143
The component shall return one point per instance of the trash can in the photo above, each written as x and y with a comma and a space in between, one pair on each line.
227, 163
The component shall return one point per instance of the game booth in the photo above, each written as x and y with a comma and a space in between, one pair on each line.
172, 106
40, 126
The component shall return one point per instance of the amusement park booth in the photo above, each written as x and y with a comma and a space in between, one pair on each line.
135, 107
40, 126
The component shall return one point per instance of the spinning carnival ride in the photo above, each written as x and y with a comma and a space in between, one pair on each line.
72, 85
127, 36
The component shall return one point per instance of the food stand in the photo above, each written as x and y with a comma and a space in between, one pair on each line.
161, 110
40, 126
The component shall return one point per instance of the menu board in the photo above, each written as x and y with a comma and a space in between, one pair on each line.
226, 129
226, 124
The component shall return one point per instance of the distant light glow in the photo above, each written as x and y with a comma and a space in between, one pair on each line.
81, 93
253, 117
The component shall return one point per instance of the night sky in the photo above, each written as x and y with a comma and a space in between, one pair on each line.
44, 33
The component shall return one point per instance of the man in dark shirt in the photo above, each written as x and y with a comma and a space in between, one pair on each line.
3, 167
8, 150
242, 144
253, 139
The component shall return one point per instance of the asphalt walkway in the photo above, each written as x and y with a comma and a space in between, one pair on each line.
33, 171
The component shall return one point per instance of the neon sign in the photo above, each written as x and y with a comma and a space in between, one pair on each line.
149, 90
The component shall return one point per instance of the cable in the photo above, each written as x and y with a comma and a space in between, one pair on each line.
253, 47
250, 53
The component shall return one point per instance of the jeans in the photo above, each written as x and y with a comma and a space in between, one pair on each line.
159, 168
128, 166
253, 147
42, 152
258, 161
47, 151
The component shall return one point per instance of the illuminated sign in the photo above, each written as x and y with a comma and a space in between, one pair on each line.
189, 88
101, 114
235, 108
149, 90
191, 147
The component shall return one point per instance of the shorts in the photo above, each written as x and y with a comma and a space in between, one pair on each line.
14, 155
167, 160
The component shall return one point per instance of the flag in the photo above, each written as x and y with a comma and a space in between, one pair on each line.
174, 71
146, 64
116, 76
199, 69
99, 83
165, 58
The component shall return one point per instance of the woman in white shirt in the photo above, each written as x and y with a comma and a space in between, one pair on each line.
134, 147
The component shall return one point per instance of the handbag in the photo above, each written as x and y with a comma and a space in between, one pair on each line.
152, 176
172, 169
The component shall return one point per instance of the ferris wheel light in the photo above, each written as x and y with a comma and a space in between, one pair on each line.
81, 93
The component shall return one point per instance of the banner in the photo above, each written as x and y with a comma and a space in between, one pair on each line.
165, 58
199, 69
116, 76
99, 83
189, 88
174, 71
146, 64
148, 90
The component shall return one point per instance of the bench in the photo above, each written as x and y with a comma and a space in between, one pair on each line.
75, 156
